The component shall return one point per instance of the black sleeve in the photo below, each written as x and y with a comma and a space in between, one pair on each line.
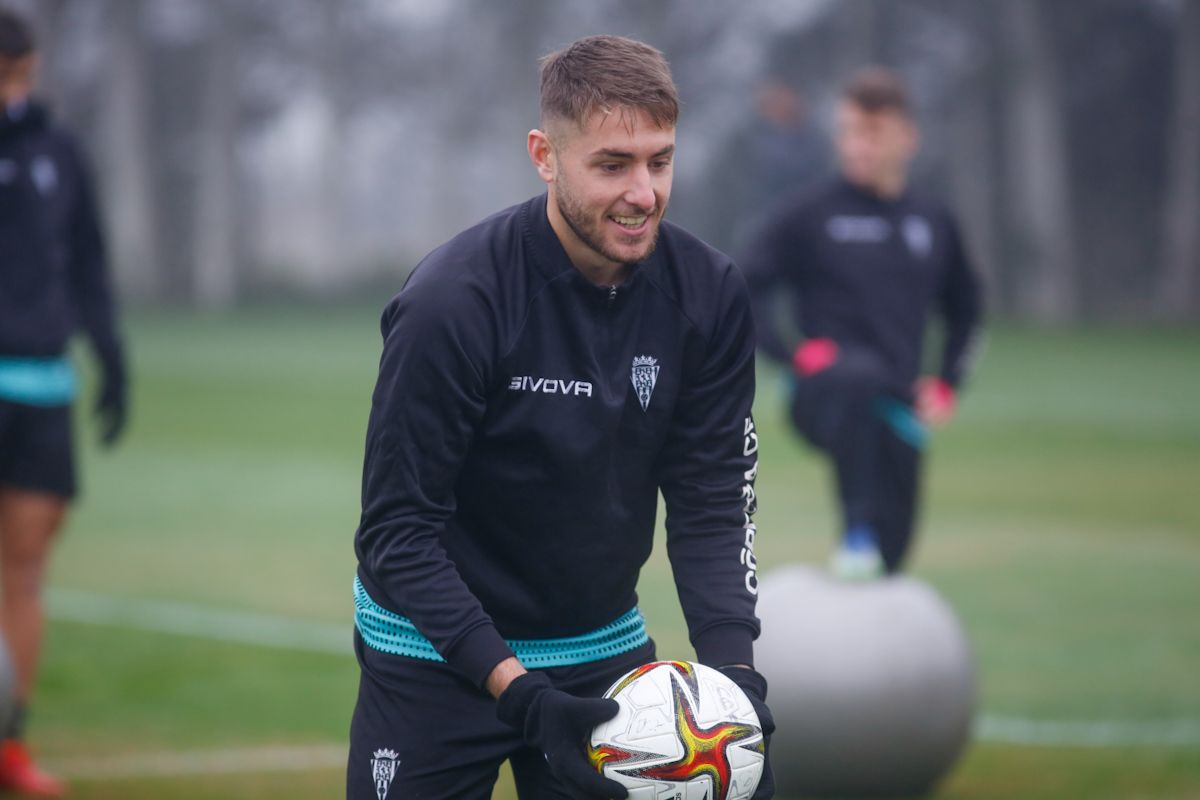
765, 259
707, 473
428, 401
88, 267
961, 304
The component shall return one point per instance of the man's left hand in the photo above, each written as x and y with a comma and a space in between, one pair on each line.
111, 407
755, 687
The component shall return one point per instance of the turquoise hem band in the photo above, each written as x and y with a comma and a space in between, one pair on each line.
391, 633
37, 381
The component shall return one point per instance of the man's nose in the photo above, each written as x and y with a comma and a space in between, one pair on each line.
640, 192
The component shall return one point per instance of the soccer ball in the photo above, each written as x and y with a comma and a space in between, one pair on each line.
683, 732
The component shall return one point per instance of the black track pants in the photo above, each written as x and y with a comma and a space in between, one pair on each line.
877, 469
443, 731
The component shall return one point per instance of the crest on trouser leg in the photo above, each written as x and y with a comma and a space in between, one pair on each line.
383, 768
644, 377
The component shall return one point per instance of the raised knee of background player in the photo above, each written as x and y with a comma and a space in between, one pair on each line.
836, 408
865, 262
52, 278
836, 401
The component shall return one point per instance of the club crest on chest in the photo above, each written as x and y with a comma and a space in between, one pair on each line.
644, 376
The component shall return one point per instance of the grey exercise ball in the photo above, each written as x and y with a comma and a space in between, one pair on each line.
872, 684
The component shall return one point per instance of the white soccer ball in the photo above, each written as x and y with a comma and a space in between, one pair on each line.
684, 732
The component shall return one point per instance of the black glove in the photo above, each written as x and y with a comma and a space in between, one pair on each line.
111, 405
559, 724
755, 687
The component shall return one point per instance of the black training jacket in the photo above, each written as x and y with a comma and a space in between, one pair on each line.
867, 272
53, 276
512, 465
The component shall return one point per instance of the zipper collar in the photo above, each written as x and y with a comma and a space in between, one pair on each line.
869, 197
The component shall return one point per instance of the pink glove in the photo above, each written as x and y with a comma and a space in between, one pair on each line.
935, 400
814, 355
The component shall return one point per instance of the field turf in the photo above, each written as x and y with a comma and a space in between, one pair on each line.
1063, 524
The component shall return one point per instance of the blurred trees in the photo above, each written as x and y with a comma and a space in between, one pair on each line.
1042, 234
1180, 279
215, 281
252, 146
1046, 125
126, 136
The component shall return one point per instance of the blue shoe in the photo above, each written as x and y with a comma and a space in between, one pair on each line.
858, 558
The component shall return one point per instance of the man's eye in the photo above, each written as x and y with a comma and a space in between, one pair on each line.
661, 165
611, 167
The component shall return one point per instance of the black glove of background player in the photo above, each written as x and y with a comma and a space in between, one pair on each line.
111, 401
559, 724
755, 687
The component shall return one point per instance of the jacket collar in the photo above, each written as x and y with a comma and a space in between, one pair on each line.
866, 195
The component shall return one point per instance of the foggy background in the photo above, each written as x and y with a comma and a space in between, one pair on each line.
253, 149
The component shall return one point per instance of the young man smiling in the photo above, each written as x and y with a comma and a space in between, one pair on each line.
544, 375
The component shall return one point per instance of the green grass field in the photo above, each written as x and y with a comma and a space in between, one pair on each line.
1062, 522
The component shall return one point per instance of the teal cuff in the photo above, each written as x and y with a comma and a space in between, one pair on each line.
899, 416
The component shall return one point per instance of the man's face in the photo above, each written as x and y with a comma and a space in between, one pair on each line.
16, 78
874, 147
611, 180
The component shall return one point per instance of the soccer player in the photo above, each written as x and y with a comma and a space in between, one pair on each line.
866, 262
53, 279
544, 375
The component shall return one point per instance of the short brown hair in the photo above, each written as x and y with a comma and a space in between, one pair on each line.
16, 39
607, 73
875, 89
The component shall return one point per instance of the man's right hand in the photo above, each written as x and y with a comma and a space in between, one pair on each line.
813, 356
559, 724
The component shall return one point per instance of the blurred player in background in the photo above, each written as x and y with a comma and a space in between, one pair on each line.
52, 280
867, 262
544, 375
781, 151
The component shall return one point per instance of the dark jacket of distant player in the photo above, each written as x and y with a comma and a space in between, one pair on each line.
53, 276
522, 425
867, 272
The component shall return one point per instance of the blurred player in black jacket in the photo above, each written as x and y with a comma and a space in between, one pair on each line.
53, 281
866, 262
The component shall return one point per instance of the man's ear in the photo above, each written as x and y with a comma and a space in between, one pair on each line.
541, 153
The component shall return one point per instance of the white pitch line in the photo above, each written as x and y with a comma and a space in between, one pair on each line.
267, 630
277, 758
1109, 733
180, 619
301, 758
